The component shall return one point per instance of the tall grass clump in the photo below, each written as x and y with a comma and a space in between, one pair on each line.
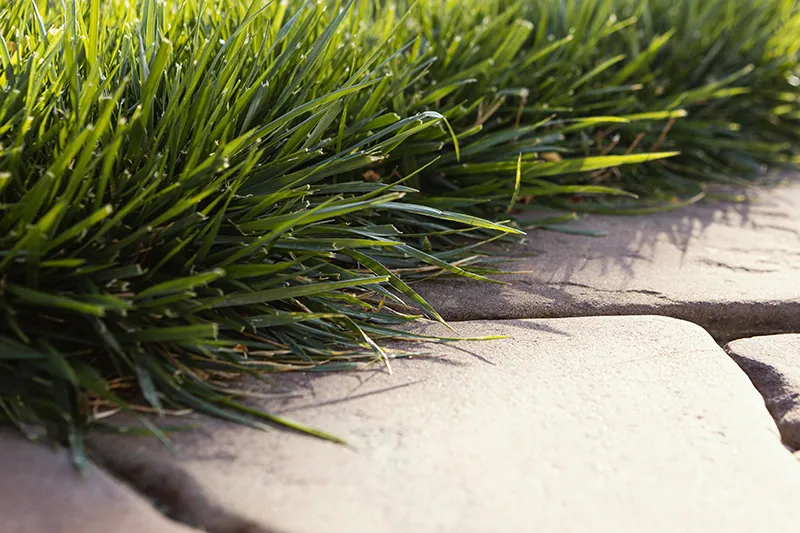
195, 190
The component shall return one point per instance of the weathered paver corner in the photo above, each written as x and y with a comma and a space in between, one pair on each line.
773, 364
732, 268
582, 424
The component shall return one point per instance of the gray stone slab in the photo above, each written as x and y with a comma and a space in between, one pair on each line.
606, 424
732, 268
42, 492
773, 364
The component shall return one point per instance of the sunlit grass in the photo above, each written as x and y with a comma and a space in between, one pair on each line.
194, 190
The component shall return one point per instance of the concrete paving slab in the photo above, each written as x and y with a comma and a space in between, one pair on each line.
773, 364
607, 424
42, 492
732, 268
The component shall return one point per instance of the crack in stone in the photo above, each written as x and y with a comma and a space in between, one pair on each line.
777, 228
649, 292
747, 251
736, 268
657, 294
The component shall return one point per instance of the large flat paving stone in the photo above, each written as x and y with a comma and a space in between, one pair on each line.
42, 492
732, 268
605, 424
773, 364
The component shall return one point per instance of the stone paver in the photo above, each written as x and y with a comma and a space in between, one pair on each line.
607, 424
773, 364
42, 492
734, 269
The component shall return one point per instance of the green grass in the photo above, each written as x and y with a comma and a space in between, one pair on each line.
195, 190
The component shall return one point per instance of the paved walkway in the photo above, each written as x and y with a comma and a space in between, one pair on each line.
590, 423
732, 268
572, 425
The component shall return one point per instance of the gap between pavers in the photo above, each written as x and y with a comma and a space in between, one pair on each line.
773, 364
586, 424
734, 269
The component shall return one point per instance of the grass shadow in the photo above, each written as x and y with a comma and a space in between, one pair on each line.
645, 264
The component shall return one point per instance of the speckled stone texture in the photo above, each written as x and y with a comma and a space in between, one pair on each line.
608, 424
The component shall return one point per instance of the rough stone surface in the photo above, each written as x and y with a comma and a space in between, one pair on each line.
607, 424
732, 268
773, 365
42, 492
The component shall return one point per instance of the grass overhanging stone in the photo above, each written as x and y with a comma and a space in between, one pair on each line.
191, 191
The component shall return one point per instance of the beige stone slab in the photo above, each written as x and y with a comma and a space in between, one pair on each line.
773, 364
606, 424
734, 269
42, 492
